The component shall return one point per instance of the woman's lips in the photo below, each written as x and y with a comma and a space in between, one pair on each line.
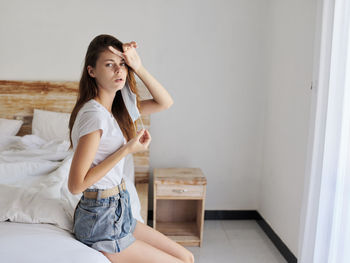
118, 80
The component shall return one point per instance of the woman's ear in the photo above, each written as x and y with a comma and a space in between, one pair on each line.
91, 72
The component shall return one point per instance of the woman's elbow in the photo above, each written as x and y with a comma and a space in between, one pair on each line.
73, 188
74, 192
169, 104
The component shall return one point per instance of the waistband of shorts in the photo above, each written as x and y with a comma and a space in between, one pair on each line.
104, 193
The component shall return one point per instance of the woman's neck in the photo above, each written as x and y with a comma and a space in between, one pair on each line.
105, 99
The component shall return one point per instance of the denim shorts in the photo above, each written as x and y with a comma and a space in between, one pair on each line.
105, 224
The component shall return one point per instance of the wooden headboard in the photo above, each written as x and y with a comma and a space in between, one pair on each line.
18, 99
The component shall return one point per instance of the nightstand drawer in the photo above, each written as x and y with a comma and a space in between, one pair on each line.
180, 190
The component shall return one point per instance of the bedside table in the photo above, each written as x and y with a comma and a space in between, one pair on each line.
178, 204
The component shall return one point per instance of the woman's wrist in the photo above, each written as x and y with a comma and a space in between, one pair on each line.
139, 70
126, 149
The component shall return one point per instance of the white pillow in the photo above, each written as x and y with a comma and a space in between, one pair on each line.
7, 140
37, 201
10, 127
50, 125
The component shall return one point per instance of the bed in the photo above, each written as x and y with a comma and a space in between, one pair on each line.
36, 208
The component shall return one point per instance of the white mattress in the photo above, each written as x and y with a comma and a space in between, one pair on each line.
35, 243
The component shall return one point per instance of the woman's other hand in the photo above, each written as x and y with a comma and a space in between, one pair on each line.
140, 142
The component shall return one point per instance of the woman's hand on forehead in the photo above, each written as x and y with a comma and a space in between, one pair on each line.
116, 51
131, 44
126, 46
129, 54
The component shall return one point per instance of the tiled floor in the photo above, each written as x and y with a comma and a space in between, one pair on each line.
235, 241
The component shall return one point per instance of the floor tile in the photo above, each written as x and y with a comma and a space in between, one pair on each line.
235, 241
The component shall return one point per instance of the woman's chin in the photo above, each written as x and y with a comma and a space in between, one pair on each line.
119, 86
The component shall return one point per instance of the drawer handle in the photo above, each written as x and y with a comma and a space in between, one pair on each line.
180, 190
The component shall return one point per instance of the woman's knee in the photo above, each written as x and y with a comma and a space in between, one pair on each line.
189, 257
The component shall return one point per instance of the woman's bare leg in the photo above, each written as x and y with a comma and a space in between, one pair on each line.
141, 252
158, 240
151, 246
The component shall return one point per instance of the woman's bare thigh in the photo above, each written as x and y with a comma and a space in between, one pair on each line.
141, 252
158, 240
151, 246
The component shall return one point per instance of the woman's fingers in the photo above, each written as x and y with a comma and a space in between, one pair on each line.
129, 45
147, 136
126, 46
140, 133
116, 51
145, 139
147, 143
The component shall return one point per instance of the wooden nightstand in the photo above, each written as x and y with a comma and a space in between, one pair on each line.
178, 204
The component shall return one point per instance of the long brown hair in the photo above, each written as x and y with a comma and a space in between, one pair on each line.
88, 88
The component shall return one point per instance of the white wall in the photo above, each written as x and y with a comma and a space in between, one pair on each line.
289, 60
206, 54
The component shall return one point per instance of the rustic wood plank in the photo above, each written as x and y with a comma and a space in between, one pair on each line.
176, 175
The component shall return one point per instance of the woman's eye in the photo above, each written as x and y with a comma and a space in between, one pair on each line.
111, 64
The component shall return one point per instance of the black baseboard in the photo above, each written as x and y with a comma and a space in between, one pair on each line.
279, 244
246, 215
231, 215
224, 215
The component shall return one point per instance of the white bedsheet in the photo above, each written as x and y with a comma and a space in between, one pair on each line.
36, 243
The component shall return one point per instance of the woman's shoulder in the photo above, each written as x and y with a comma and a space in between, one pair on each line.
90, 108
90, 117
91, 105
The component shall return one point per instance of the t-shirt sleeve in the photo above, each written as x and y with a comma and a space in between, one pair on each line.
90, 121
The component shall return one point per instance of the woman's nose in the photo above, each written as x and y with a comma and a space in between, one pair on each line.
117, 68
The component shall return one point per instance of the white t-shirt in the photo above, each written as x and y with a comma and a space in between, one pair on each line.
91, 117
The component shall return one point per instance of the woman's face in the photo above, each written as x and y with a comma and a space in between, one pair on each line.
110, 68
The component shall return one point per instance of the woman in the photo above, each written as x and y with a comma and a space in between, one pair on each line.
102, 133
